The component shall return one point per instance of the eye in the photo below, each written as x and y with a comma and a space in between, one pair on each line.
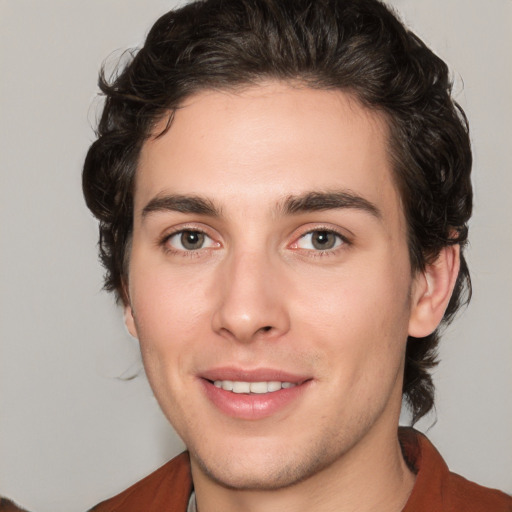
190, 240
320, 240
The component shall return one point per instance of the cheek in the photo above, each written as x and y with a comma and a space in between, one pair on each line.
170, 319
169, 324
359, 318
166, 303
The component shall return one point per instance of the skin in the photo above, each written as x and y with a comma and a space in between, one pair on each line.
259, 294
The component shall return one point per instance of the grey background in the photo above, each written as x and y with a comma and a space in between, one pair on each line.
72, 431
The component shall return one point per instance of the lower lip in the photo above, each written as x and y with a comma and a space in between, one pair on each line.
252, 406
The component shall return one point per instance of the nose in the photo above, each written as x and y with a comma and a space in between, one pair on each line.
251, 298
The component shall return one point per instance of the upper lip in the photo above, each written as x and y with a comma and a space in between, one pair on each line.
252, 375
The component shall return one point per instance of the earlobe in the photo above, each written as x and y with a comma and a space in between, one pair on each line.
432, 292
129, 321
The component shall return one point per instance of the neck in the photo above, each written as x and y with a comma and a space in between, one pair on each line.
370, 477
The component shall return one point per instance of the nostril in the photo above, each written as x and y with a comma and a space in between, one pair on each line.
266, 328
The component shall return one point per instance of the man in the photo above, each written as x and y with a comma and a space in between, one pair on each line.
283, 190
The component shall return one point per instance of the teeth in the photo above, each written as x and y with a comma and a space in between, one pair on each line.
227, 385
259, 387
252, 387
274, 386
241, 387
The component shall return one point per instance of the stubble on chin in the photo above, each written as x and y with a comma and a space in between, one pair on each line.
276, 472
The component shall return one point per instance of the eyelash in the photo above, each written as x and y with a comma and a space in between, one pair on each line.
345, 242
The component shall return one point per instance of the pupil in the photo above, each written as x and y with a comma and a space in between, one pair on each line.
192, 240
323, 240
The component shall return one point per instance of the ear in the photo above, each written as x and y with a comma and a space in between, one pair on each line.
432, 290
129, 321
129, 318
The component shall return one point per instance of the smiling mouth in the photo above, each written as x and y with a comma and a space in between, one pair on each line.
250, 388
247, 395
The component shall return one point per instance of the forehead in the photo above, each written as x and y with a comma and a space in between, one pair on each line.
267, 142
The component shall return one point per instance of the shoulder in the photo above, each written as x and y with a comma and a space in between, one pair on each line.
461, 494
437, 489
167, 488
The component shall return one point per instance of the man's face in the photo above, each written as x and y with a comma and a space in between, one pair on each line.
269, 281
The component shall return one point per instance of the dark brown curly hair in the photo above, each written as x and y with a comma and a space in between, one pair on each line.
357, 46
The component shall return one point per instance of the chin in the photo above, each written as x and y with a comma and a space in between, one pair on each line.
265, 470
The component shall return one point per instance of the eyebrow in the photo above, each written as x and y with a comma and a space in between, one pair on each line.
331, 200
182, 204
292, 205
